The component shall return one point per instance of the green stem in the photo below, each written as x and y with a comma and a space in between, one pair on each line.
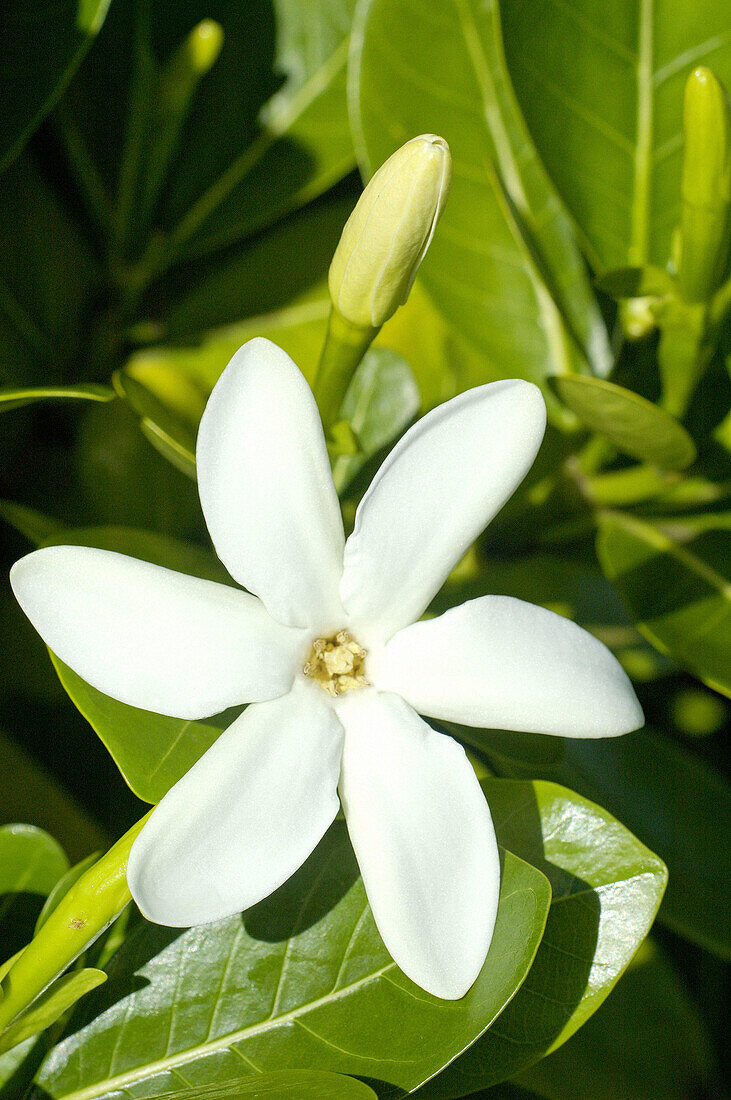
344, 347
81, 916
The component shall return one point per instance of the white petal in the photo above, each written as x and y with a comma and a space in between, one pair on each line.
151, 637
505, 664
245, 816
431, 498
424, 840
266, 489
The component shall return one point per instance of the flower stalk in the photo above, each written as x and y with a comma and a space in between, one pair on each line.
82, 915
377, 258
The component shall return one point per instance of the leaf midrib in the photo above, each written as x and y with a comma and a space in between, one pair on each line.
643, 149
151, 1069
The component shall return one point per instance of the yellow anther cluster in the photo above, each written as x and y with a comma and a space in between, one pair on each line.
336, 664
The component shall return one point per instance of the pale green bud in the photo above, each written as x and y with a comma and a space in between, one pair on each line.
387, 235
705, 187
203, 45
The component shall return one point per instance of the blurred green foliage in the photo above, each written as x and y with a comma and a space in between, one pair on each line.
174, 178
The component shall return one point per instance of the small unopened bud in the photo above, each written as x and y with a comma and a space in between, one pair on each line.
204, 45
705, 187
387, 235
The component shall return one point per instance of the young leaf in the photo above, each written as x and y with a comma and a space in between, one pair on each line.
633, 424
51, 1005
503, 266
606, 890
302, 979
671, 579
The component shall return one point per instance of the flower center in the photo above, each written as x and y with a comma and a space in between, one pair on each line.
336, 664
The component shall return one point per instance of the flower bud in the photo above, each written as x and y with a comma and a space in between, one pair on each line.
387, 235
705, 187
203, 45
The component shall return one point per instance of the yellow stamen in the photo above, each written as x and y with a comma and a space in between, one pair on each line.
336, 664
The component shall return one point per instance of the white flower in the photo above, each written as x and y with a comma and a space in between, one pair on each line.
250, 811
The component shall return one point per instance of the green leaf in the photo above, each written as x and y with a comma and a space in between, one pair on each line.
257, 277
296, 1084
503, 265
12, 397
36, 527
672, 582
616, 1055
151, 751
51, 1005
171, 430
679, 807
47, 43
31, 863
46, 280
304, 144
606, 890
266, 129
601, 87
37, 797
634, 425
302, 980
380, 402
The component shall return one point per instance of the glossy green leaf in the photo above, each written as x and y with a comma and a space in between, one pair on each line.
295, 1084
31, 863
646, 1043
634, 425
503, 265
302, 980
380, 402
601, 86
678, 806
606, 890
12, 397
151, 751
12, 1065
672, 580
51, 1005
49, 43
